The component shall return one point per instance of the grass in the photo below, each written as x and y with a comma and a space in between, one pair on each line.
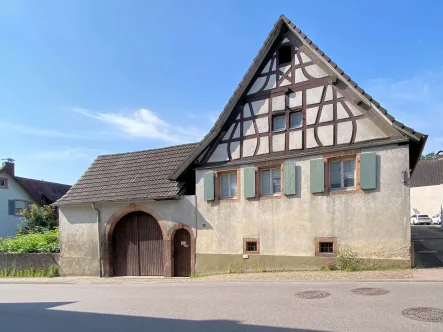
30, 273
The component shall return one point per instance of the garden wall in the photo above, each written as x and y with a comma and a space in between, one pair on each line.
23, 262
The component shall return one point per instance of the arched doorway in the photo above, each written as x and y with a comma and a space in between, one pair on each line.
182, 253
137, 246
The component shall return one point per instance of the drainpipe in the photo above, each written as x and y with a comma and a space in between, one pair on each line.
99, 247
196, 231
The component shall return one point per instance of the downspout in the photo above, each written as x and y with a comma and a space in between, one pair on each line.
196, 231
99, 246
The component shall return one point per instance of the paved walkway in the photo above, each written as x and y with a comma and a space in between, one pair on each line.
397, 275
428, 246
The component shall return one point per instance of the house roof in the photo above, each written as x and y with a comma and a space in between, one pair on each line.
429, 172
252, 70
141, 175
43, 192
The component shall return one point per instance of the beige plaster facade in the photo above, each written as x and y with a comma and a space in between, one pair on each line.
426, 200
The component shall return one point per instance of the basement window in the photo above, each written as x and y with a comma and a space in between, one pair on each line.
326, 247
284, 55
251, 246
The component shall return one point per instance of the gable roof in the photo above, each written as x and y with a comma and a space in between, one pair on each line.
43, 192
429, 172
282, 21
141, 175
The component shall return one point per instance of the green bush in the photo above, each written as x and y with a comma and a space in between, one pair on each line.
45, 242
37, 220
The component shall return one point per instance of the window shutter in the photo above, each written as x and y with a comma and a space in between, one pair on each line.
249, 182
289, 178
317, 176
368, 170
209, 186
11, 207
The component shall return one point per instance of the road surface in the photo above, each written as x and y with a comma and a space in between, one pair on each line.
428, 246
215, 306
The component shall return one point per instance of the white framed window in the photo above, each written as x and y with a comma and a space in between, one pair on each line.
342, 174
3, 183
296, 120
270, 181
19, 206
228, 185
279, 122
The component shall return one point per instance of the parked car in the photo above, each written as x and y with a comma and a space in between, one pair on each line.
420, 219
436, 219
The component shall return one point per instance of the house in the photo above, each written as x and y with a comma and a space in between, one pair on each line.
427, 187
301, 163
18, 193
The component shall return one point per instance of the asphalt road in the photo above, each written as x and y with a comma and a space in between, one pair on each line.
428, 246
215, 306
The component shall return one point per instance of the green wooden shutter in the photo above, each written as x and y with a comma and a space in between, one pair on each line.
209, 186
368, 170
317, 176
249, 182
289, 177
11, 207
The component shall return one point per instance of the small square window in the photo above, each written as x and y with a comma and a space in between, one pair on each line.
278, 122
326, 247
251, 246
270, 181
296, 120
228, 186
19, 206
3, 183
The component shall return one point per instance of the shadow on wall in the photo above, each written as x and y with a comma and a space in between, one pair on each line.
37, 317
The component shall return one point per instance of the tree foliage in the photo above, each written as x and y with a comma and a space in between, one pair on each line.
37, 220
430, 155
44, 242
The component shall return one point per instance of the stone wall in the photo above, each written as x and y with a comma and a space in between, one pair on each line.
23, 262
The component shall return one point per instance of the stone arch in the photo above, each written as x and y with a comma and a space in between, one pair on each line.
110, 225
171, 234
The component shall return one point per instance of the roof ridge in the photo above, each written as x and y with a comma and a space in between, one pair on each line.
63, 184
157, 149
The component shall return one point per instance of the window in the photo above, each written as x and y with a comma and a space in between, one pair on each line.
251, 246
278, 122
326, 247
3, 183
296, 120
284, 54
228, 185
19, 206
270, 181
342, 174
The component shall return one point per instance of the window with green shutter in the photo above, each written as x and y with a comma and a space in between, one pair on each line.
249, 182
317, 176
368, 171
209, 184
289, 178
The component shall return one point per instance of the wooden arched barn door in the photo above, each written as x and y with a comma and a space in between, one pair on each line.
137, 243
182, 253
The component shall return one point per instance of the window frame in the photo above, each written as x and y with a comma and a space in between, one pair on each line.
342, 174
290, 119
270, 169
332, 240
218, 175
15, 207
6, 183
245, 246
291, 54
274, 116
337, 156
228, 175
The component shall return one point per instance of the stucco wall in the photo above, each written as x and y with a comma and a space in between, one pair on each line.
78, 228
374, 223
8, 223
426, 200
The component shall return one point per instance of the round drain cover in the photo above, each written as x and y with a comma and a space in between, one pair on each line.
370, 291
424, 314
312, 295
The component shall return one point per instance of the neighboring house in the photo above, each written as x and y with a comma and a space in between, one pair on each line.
427, 187
17, 194
300, 164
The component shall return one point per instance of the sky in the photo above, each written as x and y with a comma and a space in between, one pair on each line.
85, 78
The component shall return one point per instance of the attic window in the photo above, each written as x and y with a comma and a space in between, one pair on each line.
284, 55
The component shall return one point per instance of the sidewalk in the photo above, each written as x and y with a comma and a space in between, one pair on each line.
388, 275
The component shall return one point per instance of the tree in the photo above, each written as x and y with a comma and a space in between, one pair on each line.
430, 155
37, 220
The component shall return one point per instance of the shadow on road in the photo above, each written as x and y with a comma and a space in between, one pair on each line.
428, 246
45, 316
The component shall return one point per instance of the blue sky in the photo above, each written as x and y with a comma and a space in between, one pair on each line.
83, 78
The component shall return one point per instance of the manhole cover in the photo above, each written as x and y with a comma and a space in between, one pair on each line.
312, 295
424, 314
370, 291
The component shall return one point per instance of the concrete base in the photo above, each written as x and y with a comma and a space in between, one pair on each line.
23, 262
224, 263
79, 266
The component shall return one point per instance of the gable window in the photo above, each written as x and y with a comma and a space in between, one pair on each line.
19, 206
296, 120
270, 181
284, 54
251, 246
228, 185
279, 122
342, 174
3, 183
